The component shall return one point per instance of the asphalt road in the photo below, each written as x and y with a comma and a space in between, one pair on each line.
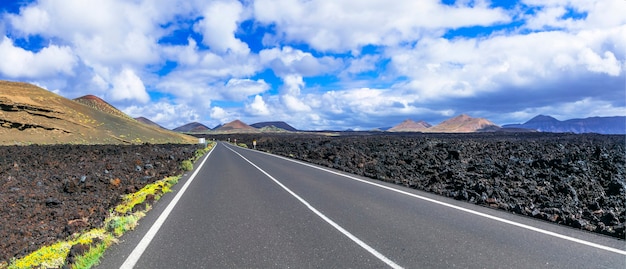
247, 209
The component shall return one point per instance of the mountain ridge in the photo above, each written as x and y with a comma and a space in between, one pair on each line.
192, 127
600, 125
278, 124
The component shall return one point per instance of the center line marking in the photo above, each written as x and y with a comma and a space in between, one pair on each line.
325, 218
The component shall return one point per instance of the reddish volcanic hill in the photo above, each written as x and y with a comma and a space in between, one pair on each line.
193, 127
410, 126
236, 126
97, 103
463, 124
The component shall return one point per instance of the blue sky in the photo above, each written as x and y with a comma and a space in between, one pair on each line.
353, 64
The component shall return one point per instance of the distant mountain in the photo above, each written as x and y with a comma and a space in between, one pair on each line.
464, 124
410, 126
32, 115
236, 126
601, 125
193, 127
97, 103
278, 124
148, 122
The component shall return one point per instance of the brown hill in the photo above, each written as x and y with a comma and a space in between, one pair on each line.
193, 127
463, 124
236, 126
32, 115
97, 103
410, 126
147, 121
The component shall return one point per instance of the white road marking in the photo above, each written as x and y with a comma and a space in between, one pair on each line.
325, 218
147, 238
510, 222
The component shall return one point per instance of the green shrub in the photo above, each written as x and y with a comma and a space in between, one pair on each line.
186, 165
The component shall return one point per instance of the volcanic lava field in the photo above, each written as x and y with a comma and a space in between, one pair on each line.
50, 192
576, 180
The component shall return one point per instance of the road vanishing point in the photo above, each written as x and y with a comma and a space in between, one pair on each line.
243, 208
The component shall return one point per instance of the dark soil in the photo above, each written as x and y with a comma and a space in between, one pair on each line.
573, 180
50, 192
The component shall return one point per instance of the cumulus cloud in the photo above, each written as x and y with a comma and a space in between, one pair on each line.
288, 60
240, 89
290, 95
349, 25
222, 115
591, 14
166, 114
362, 64
20, 63
258, 107
219, 26
105, 32
128, 86
467, 67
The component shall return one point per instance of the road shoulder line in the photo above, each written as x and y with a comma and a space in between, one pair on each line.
134, 256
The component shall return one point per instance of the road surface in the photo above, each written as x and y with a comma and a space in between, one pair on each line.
247, 209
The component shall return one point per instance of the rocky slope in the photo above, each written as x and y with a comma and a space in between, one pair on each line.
574, 180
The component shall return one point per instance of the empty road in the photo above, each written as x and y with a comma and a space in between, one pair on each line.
246, 209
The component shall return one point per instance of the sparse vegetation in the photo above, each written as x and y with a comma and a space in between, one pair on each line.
186, 165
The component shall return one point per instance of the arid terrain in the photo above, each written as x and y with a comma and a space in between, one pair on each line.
569, 179
50, 192
32, 115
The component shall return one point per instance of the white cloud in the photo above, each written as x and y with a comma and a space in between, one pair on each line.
219, 26
52, 60
596, 63
240, 89
441, 68
165, 113
101, 32
597, 14
128, 86
349, 25
288, 60
290, 95
222, 115
258, 107
365, 63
